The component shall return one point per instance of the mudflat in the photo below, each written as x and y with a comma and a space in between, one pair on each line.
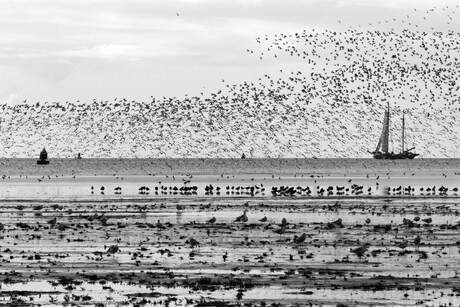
65, 240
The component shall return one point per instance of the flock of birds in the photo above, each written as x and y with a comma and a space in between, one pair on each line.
331, 106
288, 191
157, 190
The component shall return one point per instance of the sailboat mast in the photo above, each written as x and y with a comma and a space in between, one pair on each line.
403, 128
388, 128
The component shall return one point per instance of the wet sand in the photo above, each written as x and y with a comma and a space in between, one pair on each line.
354, 252
204, 250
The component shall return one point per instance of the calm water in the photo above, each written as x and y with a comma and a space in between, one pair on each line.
22, 178
63, 167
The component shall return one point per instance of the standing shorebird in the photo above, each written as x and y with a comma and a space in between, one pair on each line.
242, 218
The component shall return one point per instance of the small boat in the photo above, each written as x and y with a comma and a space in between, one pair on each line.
381, 152
79, 156
43, 157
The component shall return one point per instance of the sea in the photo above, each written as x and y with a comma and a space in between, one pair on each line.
22, 178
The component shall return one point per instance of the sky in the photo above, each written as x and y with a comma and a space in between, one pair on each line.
56, 50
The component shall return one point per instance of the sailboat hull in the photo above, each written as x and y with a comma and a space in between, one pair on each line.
394, 156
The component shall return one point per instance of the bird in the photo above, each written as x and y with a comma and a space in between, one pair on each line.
427, 220
242, 218
113, 249
192, 242
300, 239
361, 250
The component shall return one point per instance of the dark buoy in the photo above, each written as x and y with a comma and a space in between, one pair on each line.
79, 156
43, 157
243, 156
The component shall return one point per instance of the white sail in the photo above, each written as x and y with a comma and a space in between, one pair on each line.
403, 136
384, 137
386, 132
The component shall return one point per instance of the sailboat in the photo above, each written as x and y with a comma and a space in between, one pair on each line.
43, 158
381, 152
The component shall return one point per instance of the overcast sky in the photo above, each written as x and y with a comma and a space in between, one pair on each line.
82, 49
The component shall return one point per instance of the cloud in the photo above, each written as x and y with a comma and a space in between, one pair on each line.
398, 4
11, 99
108, 51
84, 48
